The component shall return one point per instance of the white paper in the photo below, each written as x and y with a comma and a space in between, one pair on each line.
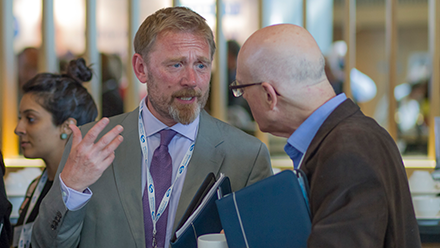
208, 196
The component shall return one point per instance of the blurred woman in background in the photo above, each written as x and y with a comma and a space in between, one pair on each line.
50, 103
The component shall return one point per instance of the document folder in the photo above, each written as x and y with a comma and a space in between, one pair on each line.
201, 216
269, 213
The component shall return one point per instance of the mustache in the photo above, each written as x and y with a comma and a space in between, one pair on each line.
187, 93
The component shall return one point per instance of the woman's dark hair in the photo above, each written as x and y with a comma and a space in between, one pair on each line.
63, 95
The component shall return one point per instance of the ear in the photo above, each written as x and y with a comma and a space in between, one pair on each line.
140, 67
271, 95
65, 126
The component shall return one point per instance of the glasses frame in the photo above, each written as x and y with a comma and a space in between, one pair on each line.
237, 89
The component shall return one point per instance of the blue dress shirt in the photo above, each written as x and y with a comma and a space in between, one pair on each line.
299, 141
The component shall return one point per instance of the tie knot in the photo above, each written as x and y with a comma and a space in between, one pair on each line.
166, 136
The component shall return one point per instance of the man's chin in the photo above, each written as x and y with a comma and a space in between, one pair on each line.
185, 114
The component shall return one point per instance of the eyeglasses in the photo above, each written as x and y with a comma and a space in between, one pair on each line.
237, 89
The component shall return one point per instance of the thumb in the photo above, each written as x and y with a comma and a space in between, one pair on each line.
76, 135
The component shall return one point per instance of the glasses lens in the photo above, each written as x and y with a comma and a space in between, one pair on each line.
237, 92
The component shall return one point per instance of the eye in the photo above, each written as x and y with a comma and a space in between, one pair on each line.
201, 66
177, 65
30, 119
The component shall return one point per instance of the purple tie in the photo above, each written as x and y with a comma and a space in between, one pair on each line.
161, 170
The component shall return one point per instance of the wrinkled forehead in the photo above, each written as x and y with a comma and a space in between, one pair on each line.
165, 36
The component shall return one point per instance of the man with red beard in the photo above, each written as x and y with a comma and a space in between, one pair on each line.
174, 51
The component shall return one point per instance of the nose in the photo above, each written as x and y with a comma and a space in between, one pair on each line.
190, 77
19, 129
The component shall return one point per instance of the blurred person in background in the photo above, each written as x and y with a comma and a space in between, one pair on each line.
239, 113
50, 103
413, 105
111, 72
362, 87
27, 66
5, 210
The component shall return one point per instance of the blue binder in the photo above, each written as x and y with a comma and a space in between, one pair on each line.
201, 217
269, 213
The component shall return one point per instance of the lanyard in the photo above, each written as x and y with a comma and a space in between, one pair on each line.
151, 194
302, 184
36, 195
26, 229
301, 160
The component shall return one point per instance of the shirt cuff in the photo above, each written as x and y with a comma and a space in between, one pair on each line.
74, 200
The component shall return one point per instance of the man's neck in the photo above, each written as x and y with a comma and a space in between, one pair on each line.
165, 120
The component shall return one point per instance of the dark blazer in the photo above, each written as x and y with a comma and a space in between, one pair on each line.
359, 194
5, 210
113, 217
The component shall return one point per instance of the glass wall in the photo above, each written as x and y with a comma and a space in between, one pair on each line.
325, 21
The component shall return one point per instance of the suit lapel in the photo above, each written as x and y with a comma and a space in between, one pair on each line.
128, 177
206, 158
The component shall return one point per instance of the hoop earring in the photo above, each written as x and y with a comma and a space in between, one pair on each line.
63, 136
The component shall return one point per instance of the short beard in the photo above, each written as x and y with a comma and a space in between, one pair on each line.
184, 114
187, 113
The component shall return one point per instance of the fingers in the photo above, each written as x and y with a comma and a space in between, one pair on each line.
108, 160
76, 134
88, 160
99, 152
110, 141
93, 133
108, 150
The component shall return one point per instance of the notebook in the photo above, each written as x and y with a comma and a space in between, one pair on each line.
269, 213
201, 216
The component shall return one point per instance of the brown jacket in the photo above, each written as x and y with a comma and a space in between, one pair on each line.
359, 194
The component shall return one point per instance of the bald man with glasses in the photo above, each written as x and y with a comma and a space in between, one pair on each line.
359, 194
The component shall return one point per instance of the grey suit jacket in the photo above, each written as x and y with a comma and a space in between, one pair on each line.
113, 217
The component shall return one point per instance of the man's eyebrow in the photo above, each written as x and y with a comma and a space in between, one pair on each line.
205, 60
177, 59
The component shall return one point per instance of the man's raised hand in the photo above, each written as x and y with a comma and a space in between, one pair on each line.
88, 160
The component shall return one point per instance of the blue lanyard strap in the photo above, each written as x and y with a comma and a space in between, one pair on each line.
151, 190
303, 183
